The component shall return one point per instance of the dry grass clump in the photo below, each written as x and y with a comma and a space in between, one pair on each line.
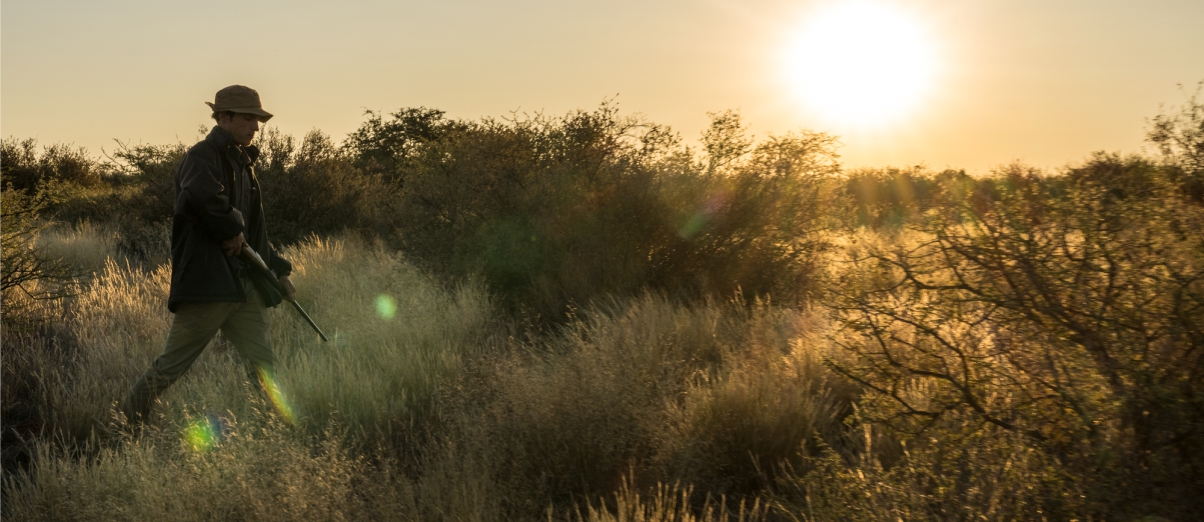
84, 246
396, 335
991, 475
115, 327
714, 395
670, 504
235, 471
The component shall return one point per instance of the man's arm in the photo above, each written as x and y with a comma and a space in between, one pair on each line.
204, 198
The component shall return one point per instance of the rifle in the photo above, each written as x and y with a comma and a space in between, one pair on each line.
256, 261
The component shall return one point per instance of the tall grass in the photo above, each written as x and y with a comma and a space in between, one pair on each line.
379, 366
427, 409
649, 392
256, 472
377, 378
397, 335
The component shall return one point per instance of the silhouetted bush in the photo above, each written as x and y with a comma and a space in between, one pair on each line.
385, 148
550, 211
553, 211
317, 190
22, 166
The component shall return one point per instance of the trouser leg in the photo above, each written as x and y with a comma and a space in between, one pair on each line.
248, 327
192, 328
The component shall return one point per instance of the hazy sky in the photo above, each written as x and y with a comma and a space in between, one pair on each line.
1044, 82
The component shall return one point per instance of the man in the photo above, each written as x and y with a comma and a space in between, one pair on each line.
218, 213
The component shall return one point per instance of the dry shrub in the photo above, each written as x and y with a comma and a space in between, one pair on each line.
556, 212
315, 189
29, 274
991, 475
29, 170
1066, 311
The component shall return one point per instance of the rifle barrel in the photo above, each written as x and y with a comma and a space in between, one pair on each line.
263, 269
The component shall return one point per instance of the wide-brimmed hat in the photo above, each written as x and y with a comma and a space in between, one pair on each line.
239, 98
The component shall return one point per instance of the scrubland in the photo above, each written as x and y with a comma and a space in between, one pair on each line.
582, 318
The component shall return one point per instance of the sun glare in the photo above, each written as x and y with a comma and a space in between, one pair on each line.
860, 64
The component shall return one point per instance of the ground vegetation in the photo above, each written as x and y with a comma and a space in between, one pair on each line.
584, 318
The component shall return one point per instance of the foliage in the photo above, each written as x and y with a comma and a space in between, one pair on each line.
711, 395
988, 476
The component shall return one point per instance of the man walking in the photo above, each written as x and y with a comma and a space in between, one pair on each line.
218, 212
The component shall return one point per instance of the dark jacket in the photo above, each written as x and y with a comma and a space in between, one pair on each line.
218, 197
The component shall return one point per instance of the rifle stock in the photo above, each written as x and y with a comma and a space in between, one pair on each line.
256, 261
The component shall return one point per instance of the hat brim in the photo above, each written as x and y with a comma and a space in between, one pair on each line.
264, 116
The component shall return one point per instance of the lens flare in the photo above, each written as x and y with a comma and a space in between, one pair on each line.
205, 433
275, 396
338, 339
386, 307
700, 219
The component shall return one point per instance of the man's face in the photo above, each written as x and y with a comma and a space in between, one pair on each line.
242, 126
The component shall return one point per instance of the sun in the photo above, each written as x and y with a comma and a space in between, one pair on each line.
860, 64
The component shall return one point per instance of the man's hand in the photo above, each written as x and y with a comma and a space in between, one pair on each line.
289, 289
233, 246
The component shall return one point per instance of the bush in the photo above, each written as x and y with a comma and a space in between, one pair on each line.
29, 274
22, 166
1071, 317
892, 198
1179, 137
553, 211
317, 190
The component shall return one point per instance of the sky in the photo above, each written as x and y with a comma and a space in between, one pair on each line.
1041, 82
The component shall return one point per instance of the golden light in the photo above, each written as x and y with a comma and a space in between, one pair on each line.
860, 64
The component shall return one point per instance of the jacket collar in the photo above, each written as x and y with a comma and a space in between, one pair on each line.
225, 142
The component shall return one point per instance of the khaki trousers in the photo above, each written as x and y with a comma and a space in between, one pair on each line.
247, 325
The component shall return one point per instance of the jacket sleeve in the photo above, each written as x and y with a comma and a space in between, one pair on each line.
204, 198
